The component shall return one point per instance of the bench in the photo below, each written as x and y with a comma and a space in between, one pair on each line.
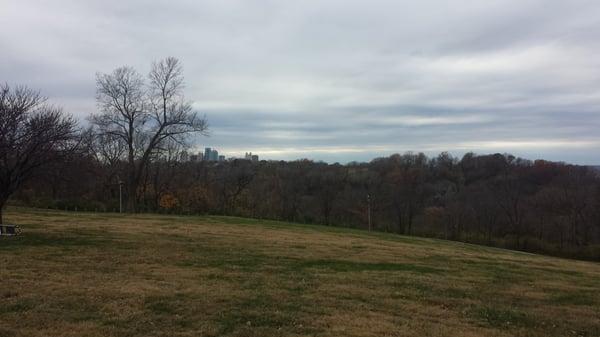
9, 230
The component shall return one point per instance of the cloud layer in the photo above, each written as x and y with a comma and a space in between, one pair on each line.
337, 80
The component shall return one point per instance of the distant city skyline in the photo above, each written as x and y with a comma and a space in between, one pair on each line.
212, 154
343, 156
337, 80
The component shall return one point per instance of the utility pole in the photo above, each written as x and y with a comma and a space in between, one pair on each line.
369, 210
120, 196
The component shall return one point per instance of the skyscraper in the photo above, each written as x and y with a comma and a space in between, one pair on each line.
250, 156
210, 154
207, 153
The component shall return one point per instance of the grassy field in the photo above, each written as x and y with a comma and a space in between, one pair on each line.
90, 274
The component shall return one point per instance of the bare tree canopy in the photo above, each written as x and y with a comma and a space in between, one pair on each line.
144, 115
32, 134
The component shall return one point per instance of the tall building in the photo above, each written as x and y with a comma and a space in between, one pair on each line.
221, 158
250, 156
210, 155
207, 153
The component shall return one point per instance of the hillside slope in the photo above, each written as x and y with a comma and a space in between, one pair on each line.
144, 275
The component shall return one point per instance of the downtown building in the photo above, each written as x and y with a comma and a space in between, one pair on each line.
212, 155
251, 157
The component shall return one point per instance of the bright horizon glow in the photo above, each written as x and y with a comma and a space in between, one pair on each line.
482, 148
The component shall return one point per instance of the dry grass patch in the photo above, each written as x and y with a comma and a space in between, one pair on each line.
91, 274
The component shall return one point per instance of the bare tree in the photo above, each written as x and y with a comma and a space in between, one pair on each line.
32, 134
145, 115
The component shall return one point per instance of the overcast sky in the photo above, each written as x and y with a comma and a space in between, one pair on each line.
336, 80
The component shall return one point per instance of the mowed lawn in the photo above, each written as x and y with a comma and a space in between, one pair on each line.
85, 274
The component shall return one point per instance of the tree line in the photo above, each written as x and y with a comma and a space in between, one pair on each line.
495, 200
134, 144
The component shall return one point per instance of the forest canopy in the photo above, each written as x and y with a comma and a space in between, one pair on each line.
496, 199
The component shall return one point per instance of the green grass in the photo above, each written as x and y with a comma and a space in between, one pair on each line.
348, 266
86, 274
502, 317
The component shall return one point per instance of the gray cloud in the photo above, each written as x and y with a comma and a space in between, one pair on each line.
337, 80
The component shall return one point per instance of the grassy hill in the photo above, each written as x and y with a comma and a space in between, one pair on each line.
144, 275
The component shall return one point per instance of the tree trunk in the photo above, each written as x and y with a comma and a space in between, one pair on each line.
3, 200
132, 186
131, 190
399, 224
5, 192
131, 174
